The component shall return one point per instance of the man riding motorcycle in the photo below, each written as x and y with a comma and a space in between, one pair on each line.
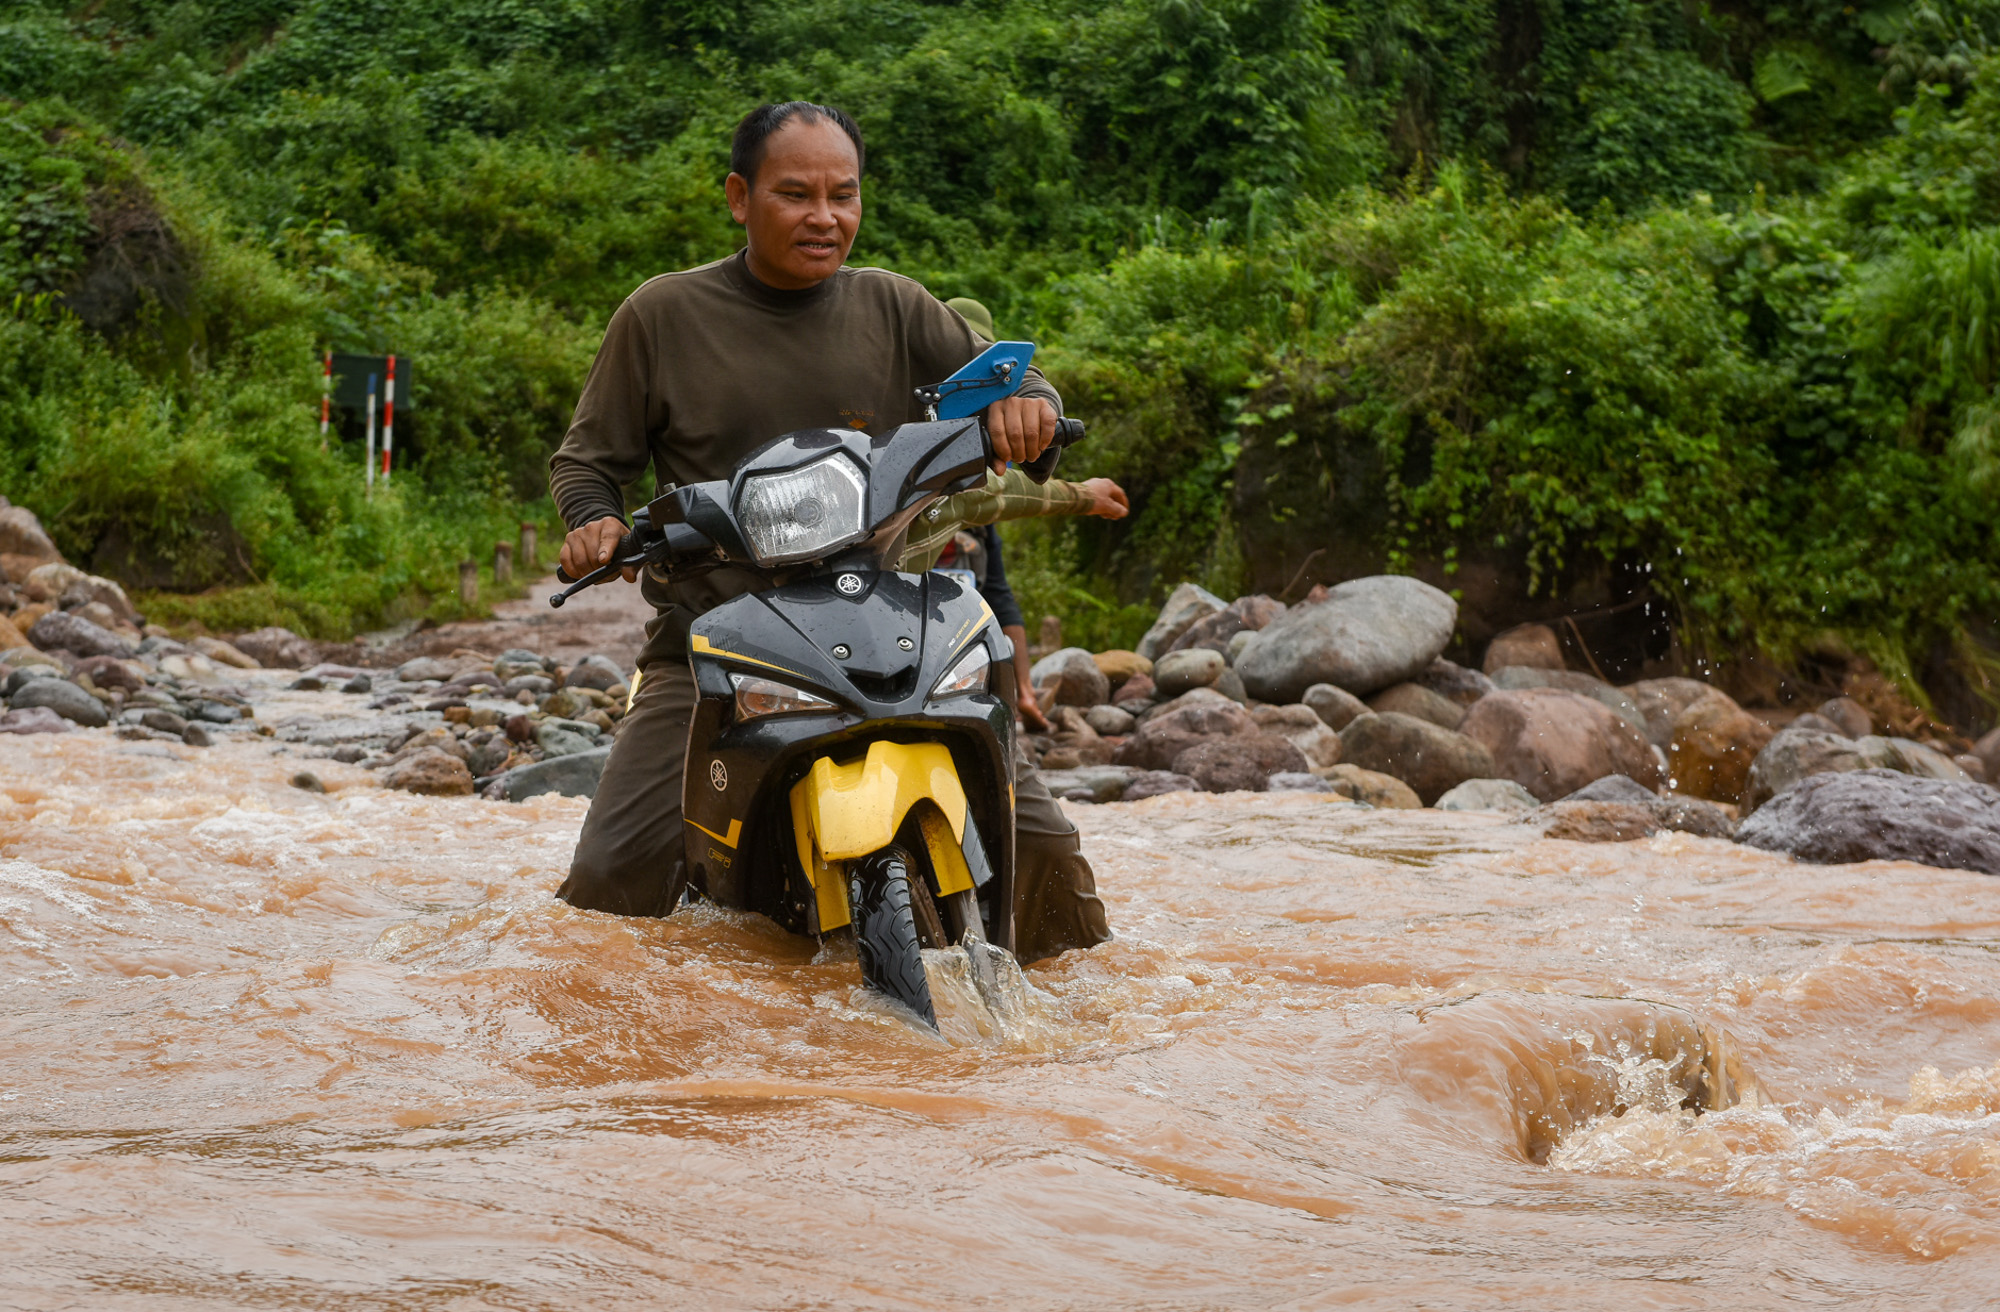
698, 369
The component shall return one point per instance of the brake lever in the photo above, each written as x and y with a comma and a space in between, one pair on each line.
595, 577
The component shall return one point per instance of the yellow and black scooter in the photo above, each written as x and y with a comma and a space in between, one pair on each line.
849, 767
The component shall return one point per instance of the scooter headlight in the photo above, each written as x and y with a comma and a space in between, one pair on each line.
968, 676
802, 514
757, 696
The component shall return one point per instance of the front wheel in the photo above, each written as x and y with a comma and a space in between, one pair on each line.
889, 903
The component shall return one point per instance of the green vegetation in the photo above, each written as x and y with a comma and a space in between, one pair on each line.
1440, 285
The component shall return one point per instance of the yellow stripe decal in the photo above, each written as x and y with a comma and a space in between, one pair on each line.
700, 646
735, 832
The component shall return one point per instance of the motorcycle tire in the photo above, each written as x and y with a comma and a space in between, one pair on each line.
885, 930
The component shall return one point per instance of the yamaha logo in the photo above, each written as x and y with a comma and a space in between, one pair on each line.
718, 774
849, 584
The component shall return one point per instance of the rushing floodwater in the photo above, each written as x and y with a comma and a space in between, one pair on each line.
264, 1048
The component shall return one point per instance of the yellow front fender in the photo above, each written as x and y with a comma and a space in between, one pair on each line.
843, 812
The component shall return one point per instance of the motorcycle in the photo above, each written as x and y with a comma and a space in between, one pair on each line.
850, 760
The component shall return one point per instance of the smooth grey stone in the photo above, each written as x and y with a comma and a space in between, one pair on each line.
574, 775
65, 699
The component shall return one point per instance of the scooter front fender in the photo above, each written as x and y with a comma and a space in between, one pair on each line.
842, 812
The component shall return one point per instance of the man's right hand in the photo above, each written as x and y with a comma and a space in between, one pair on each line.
593, 545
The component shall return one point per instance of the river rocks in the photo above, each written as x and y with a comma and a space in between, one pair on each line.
80, 589
516, 662
163, 721
1069, 677
1334, 706
1714, 743
1614, 788
11, 638
1178, 671
1301, 726
109, 672
424, 669
1488, 795
1221, 631
1794, 754
1120, 666
65, 699
225, 653
1661, 701
1155, 783
21, 534
1597, 822
567, 776
1415, 699
1097, 783
21, 677
1240, 764
1515, 678
33, 719
429, 771
1534, 646
1186, 604
1367, 634
1295, 781
277, 648
1553, 742
1110, 721
565, 737
1848, 716
1382, 791
1987, 749
1179, 725
1430, 759
1138, 688
1454, 682
78, 636
599, 672
1617, 808
1871, 815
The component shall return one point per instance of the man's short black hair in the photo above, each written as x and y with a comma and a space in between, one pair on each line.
746, 151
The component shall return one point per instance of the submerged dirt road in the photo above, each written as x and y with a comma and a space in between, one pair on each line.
265, 1048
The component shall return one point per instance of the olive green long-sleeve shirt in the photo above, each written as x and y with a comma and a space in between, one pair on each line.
700, 368
1012, 496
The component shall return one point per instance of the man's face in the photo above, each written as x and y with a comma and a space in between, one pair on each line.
803, 211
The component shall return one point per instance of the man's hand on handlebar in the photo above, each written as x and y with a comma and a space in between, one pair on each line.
1021, 429
592, 545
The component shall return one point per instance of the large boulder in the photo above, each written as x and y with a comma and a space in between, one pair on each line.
1069, 677
1367, 634
1177, 726
1415, 699
1488, 795
1714, 743
1454, 681
1334, 706
1185, 605
1301, 726
21, 534
1514, 678
1184, 669
1219, 631
277, 648
1382, 791
59, 630
1553, 742
1119, 666
431, 772
1244, 764
65, 699
1431, 759
1532, 645
1661, 701
1880, 815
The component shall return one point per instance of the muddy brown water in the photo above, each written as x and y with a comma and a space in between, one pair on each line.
263, 1048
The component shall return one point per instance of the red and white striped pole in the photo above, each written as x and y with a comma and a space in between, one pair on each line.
389, 419
368, 460
325, 398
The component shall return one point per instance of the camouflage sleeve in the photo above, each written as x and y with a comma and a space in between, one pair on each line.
1003, 497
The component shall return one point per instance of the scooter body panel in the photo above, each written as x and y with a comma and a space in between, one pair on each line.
873, 644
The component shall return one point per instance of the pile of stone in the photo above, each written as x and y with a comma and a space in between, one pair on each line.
510, 726
1348, 692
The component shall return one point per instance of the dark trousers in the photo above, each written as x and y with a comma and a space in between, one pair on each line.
629, 858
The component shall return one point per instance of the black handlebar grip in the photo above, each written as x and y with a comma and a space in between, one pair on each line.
1068, 432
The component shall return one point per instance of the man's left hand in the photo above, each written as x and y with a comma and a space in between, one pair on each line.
1021, 428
